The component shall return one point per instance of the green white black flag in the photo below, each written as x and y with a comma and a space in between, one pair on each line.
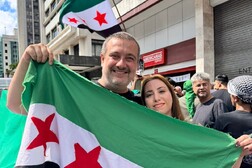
75, 123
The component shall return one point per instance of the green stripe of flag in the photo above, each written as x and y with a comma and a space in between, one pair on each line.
141, 135
77, 6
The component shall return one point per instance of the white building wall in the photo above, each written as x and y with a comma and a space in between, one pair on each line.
22, 26
7, 39
164, 24
167, 23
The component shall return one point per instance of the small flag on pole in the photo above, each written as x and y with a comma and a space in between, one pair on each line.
94, 15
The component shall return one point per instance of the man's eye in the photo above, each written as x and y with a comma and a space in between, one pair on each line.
114, 56
130, 58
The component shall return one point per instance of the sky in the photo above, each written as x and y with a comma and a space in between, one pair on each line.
8, 16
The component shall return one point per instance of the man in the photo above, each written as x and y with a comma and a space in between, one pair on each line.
119, 61
189, 101
178, 91
209, 108
220, 85
238, 122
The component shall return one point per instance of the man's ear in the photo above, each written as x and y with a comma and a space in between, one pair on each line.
235, 98
102, 59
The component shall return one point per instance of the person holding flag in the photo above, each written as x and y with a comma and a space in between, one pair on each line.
119, 62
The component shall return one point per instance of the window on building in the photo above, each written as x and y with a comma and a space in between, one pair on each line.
5, 44
53, 4
117, 1
54, 32
6, 51
96, 47
6, 57
6, 63
76, 49
66, 52
48, 38
47, 13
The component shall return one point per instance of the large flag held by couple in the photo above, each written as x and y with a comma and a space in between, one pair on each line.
11, 130
94, 15
74, 123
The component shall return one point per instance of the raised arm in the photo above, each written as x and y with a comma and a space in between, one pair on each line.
37, 52
245, 142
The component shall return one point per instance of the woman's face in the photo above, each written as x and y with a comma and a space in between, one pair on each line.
158, 97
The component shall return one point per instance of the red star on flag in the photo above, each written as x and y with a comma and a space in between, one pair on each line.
84, 159
45, 134
72, 20
100, 18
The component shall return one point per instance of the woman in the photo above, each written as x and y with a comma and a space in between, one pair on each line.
158, 94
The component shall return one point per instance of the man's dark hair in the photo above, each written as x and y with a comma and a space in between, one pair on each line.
222, 78
171, 81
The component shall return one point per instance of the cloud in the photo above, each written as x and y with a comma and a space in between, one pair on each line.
13, 4
8, 22
8, 16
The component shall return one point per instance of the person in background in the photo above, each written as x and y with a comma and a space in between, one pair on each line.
189, 101
158, 94
178, 91
238, 122
119, 60
220, 85
209, 107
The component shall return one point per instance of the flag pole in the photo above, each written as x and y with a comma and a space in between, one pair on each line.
119, 15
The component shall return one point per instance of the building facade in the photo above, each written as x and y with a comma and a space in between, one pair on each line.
177, 37
28, 23
10, 54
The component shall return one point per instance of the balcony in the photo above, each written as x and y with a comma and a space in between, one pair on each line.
85, 65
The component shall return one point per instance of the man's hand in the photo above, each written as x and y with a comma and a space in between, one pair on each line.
39, 53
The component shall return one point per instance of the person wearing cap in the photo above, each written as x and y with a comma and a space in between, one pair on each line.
220, 85
209, 108
238, 122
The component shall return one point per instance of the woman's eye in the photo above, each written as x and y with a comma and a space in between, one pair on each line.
161, 91
147, 95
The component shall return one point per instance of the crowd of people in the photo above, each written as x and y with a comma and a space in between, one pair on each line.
195, 103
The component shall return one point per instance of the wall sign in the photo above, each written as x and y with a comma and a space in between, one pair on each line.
246, 70
181, 78
154, 58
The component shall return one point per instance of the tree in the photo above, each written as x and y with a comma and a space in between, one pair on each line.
11, 69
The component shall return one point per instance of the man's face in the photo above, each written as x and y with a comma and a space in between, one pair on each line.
217, 85
202, 88
119, 64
